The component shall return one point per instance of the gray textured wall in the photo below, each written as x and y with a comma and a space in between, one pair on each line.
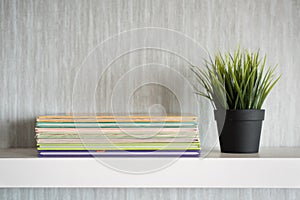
150, 194
43, 44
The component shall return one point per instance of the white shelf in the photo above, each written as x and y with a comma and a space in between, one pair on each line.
272, 168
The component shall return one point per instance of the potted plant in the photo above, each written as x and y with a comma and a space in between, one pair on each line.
237, 85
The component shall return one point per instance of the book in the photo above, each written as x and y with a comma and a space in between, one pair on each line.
109, 153
117, 135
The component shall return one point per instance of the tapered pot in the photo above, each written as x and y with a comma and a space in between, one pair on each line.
239, 130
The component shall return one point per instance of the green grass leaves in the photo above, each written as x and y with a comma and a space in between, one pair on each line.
238, 81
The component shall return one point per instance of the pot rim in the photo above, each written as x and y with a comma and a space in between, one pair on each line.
243, 115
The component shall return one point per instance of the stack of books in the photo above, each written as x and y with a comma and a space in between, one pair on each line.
106, 135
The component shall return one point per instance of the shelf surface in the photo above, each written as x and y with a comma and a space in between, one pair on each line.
271, 168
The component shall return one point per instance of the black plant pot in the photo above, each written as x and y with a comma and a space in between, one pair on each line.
239, 130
